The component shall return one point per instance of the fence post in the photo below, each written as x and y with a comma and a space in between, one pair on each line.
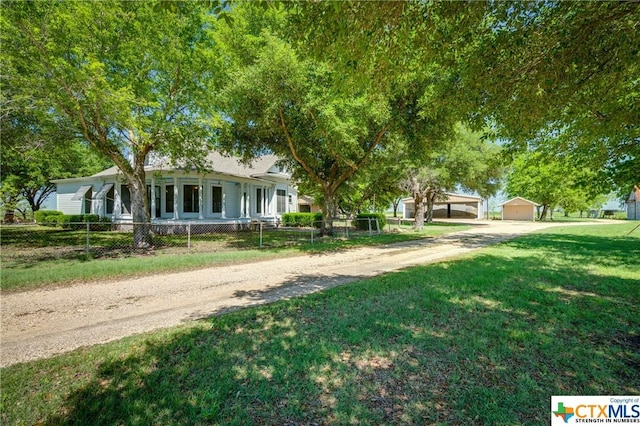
369, 220
260, 234
346, 227
377, 226
312, 227
189, 237
87, 247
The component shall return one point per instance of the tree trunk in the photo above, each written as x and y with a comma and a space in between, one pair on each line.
9, 202
429, 213
418, 223
543, 213
9, 216
396, 204
328, 211
139, 209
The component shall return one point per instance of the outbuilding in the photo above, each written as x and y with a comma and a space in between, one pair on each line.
519, 208
633, 204
452, 206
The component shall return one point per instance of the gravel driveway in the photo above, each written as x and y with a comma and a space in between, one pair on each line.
41, 323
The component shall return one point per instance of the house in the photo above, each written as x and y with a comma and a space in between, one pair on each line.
454, 206
306, 204
519, 209
228, 192
633, 204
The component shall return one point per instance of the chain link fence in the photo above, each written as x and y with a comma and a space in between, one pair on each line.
107, 240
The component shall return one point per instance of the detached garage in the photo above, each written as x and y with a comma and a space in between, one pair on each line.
633, 204
519, 209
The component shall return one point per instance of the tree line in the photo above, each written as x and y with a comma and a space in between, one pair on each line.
362, 100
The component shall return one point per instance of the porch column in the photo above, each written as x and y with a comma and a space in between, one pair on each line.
117, 202
247, 200
242, 203
200, 198
176, 216
223, 213
152, 195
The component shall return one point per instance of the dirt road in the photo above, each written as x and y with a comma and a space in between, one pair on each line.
42, 323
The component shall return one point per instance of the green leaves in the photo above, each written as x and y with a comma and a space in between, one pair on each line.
121, 71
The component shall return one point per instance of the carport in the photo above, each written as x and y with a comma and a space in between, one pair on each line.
457, 206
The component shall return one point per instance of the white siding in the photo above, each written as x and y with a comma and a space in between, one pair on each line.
66, 191
293, 196
232, 192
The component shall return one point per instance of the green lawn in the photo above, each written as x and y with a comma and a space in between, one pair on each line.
38, 256
483, 339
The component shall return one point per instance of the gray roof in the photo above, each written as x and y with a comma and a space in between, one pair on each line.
217, 163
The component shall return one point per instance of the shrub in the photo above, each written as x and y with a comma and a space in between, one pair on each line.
104, 224
302, 219
362, 221
76, 221
46, 216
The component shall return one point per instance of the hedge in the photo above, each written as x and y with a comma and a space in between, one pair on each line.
361, 221
302, 219
46, 216
78, 221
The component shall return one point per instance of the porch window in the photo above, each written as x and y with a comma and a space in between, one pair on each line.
216, 199
168, 198
110, 200
191, 196
259, 200
125, 200
281, 196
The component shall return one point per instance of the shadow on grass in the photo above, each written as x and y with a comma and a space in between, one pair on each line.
451, 343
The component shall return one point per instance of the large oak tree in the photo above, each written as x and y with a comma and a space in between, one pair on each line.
131, 77
528, 67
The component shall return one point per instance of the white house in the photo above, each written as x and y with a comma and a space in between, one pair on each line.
229, 191
454, 206
633, 204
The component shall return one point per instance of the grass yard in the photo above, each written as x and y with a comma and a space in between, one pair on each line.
39, 256
484, 339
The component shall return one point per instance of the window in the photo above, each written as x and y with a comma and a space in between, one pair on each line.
79, 195
216, 199
191, 199
107, 192
259, 200
168, 198
157, 200
125, 200
281, 196
87, 201
110, 200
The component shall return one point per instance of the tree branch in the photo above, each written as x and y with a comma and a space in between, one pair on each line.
294, 152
